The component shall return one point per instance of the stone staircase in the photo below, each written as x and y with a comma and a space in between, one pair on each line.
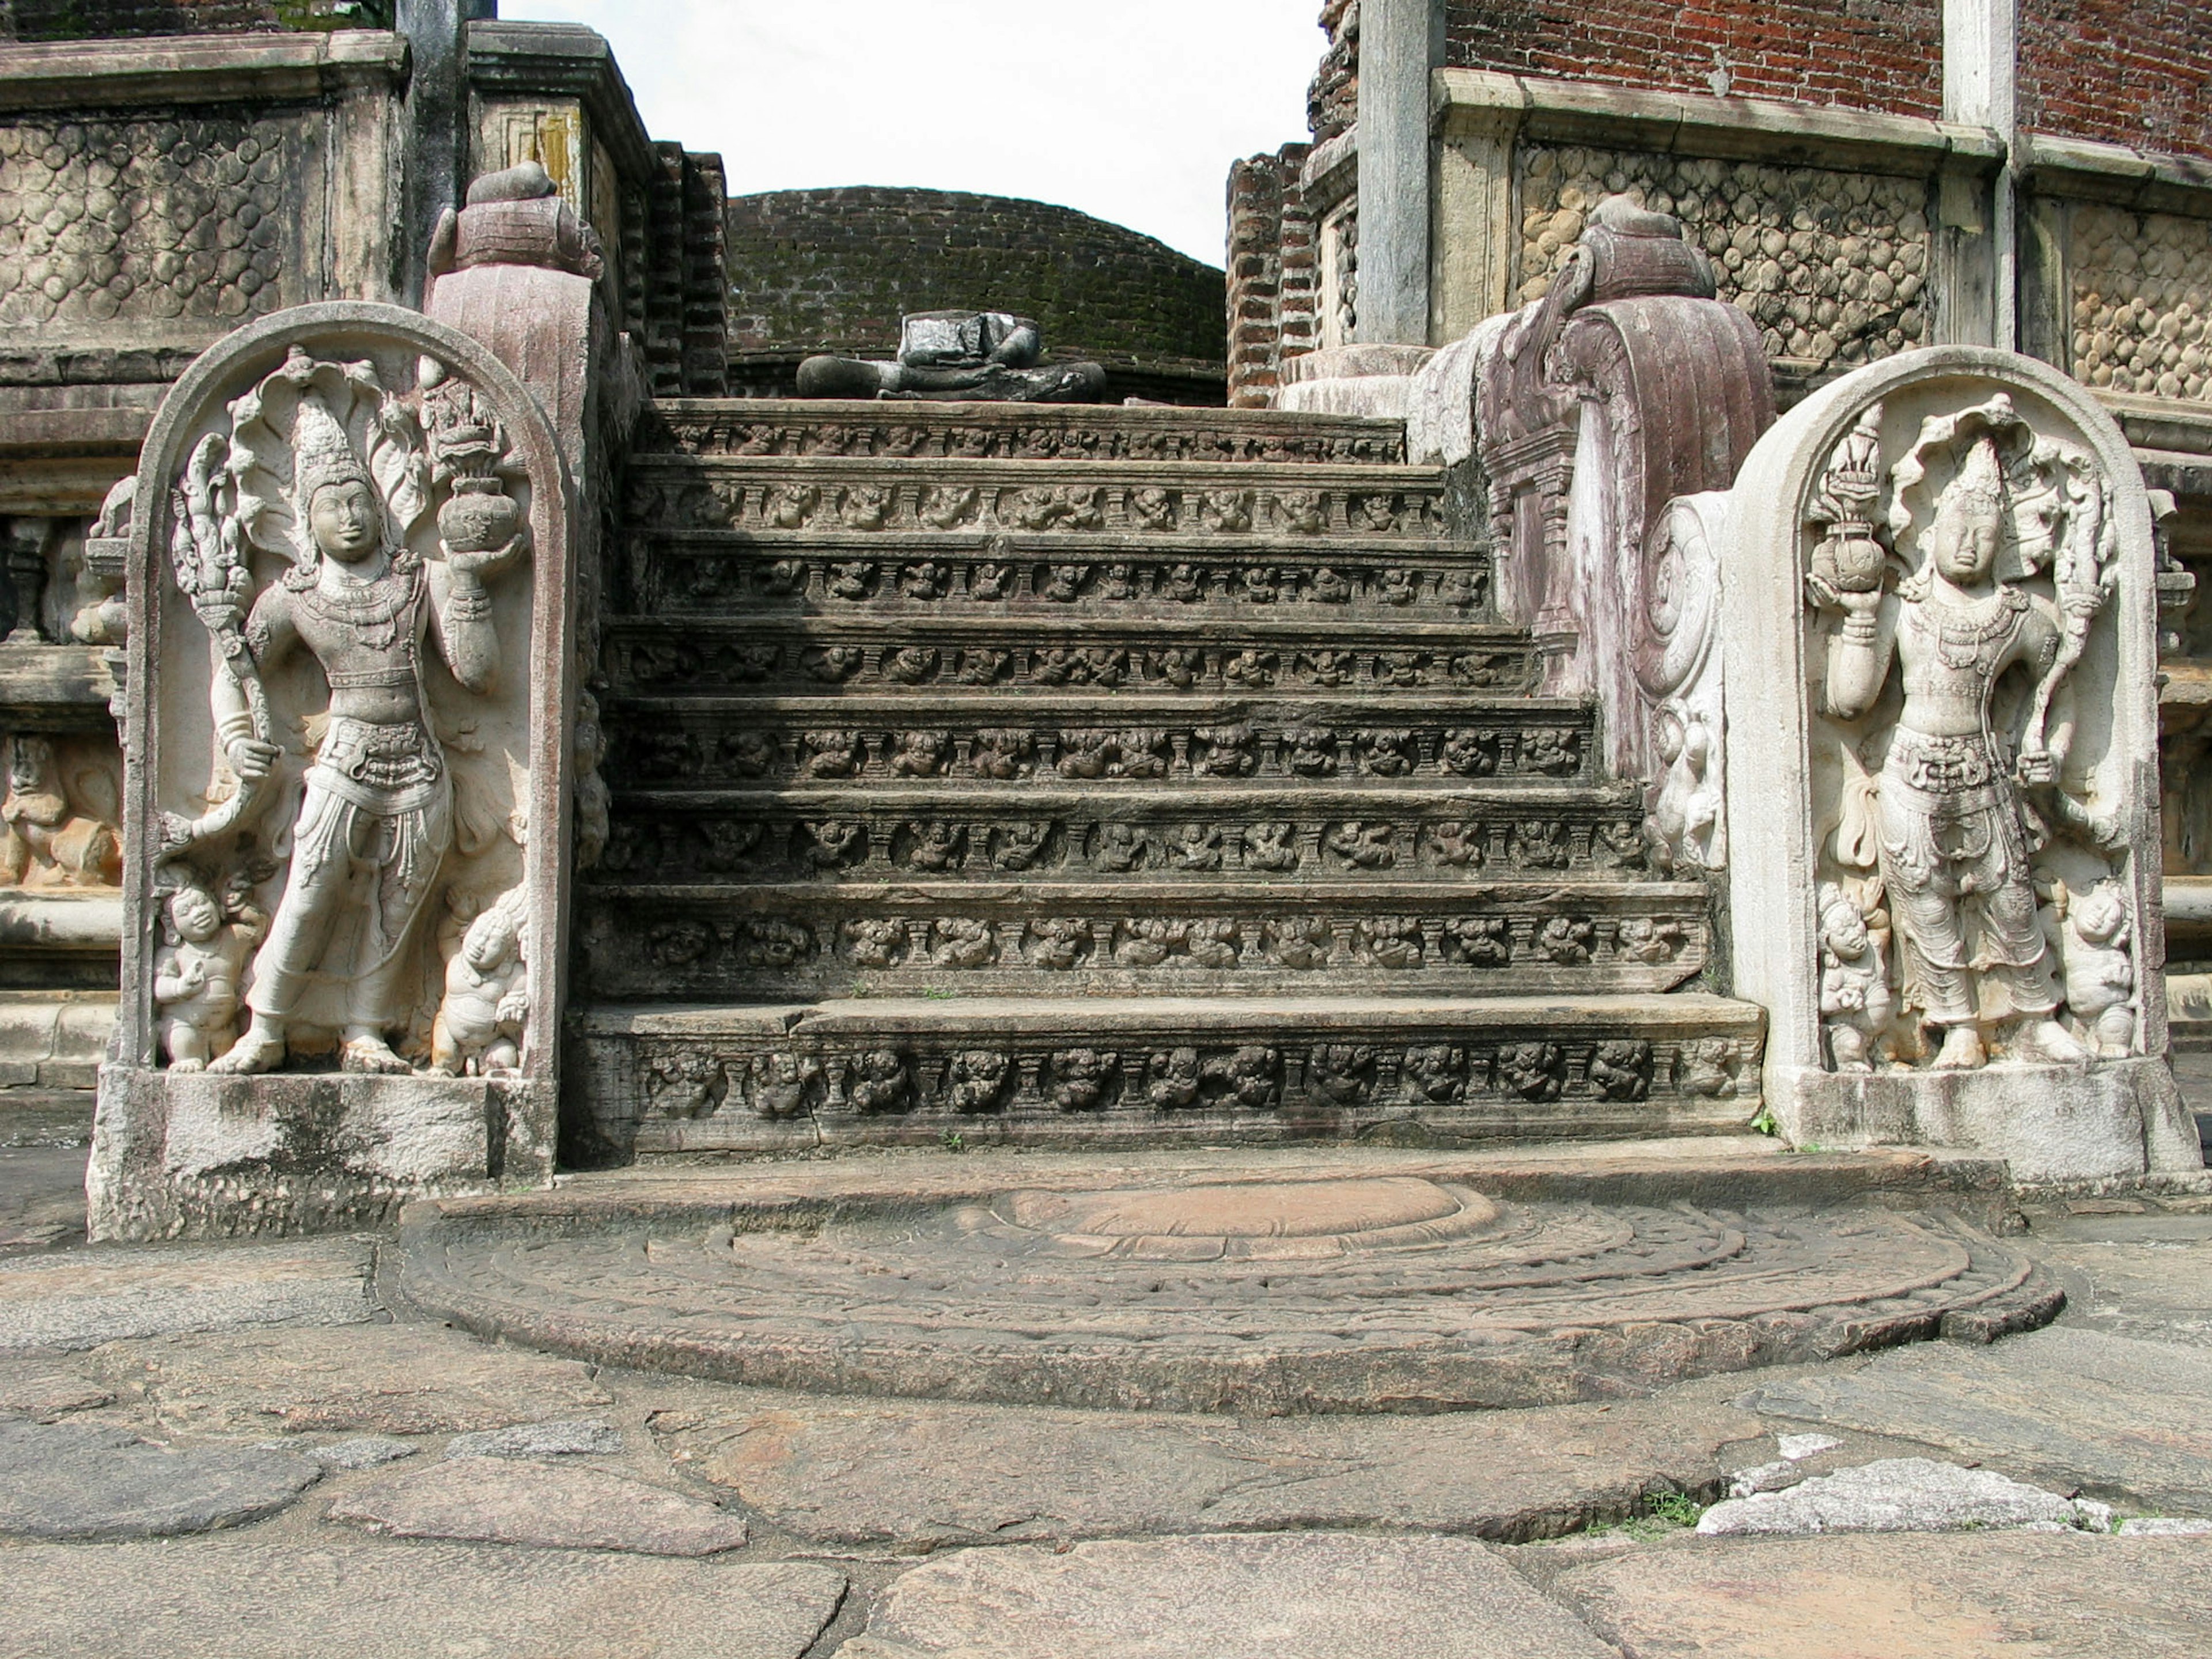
1103, 777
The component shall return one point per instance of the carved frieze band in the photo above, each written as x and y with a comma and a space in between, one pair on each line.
669, 838
695, 1093
670, 745
1011, 434
646, 659
768, 945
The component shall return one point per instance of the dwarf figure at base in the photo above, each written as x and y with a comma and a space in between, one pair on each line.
479, 1028
2092, 934
196, 975
1857, 1003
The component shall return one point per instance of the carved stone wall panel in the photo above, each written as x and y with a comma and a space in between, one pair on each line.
1014, 433
928, 658
2142, 287
1832, 266
831, 835
1464, 1072
1062, 740
160, 222
767, 945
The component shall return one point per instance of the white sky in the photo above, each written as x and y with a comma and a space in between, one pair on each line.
1130, 110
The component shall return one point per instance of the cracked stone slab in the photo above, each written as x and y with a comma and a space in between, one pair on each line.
2070, 1407
1900, 1494
918, 1474
82, 1298
376, 1379
590, 1437
1951, 1596
2148, 1277
249, 1597
45, 1390
69, 1481
366, 1451
1289, 1596
558, 1506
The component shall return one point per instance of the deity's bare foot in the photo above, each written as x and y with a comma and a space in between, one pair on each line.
373, 1055
257, 1051
2047, 1040
1963, 1050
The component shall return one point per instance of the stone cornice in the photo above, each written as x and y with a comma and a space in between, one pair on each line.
197, 69
1468, 101
2079, 168
563, 60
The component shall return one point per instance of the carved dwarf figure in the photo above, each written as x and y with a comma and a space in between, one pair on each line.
46, 841
196, 974
479, 1028
1953, 841
377, 816
1857, 1003
2092, 932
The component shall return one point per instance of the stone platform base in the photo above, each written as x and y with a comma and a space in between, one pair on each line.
2049, 1123
1382, 1282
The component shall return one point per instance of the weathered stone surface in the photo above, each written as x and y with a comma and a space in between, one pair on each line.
64, 1480
2117, 1418
40, 1389
1307, 1595
1900, 1494
385, 1379
366, 1451
1965, 1595
87, 1297
2147, 1275
261, 1598
498, 1501
922, 1476
581, 1438
1434, 1296
41, 1197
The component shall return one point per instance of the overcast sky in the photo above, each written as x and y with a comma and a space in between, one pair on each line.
1131, 110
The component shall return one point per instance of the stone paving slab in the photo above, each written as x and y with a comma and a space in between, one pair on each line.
921, 1475
67, 1480
41, 1197
82, 1298
378, 1379
250, 1597
2122, 1419
1300, 1595
2147, 1276
47, 1389
1958, 1596
1901, 1494
503, 1501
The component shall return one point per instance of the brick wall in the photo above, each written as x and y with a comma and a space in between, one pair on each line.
1871, 54
1271, 273
90, 20
834, 270
1333, 100
2127, 71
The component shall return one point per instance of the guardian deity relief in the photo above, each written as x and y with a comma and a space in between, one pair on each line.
1973, 899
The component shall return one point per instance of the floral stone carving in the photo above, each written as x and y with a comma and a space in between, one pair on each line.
345, 791
1945, 841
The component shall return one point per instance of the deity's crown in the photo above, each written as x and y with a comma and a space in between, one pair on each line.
1979, 485
322, 454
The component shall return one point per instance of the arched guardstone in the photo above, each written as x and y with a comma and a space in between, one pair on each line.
1823, 801
309, 1144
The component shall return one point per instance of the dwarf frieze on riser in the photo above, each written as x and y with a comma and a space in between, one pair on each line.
672, 744
827, 836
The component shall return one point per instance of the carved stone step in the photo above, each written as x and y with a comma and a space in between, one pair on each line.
1134, 501
782, 943
1414, 831
1066, 738
750, 429
1202, 656
1151, 1070
687, 574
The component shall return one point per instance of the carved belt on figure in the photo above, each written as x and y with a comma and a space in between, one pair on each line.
381, 758
1950, 774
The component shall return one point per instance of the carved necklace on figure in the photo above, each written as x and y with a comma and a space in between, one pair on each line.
1974, 636
372, 612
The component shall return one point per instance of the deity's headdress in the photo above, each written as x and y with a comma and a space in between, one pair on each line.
1979, 486
322, 455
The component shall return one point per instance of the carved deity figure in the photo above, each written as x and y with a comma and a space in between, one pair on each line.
377, 816
1953, 839
198, 972
46, 840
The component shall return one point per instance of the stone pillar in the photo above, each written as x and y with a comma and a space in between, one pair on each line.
1954, 929
1400, 41
1980, 60
437, 121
